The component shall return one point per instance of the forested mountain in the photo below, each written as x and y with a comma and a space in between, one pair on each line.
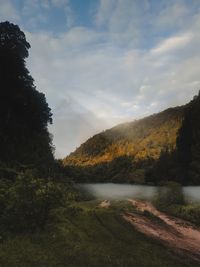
123, 153
140, 139
155, 149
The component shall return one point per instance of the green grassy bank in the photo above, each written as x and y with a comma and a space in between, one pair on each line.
84, 235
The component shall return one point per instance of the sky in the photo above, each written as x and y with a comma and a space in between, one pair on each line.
103, 62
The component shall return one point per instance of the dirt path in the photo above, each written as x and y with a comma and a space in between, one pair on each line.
174, 232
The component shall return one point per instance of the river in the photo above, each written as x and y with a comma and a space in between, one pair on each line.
123, 191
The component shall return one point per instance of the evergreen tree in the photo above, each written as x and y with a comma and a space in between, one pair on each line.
24, 112
188, 143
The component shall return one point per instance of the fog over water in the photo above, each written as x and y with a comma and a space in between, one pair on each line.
124, 191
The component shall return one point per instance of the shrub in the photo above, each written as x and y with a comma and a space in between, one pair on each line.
168, 195
27, 202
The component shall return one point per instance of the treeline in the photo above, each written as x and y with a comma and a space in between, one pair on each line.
121, 169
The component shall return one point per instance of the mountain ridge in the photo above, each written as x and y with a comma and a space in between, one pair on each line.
129, 152
130, 138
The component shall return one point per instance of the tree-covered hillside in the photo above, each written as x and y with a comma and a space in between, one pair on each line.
140, 139
157, 149
122, 153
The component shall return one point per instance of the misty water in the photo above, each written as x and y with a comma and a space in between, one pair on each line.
124, 191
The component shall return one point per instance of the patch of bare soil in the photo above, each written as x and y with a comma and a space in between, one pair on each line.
104, 204
174, 232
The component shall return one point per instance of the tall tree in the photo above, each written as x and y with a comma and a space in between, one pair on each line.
24, 112
188, 143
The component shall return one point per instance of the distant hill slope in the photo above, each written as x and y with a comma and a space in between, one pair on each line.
154, 150
139, 140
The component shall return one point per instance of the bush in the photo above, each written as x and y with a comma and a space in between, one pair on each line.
171, 194
190, 212
26, 203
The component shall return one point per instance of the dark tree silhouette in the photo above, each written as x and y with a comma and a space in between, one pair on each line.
24, 112
188, 143
182, 164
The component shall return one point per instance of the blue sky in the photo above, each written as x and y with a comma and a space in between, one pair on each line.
103, 62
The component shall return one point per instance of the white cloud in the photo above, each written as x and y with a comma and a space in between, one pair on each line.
70, 17
59, 3
105, 10
34, 13
172, 43
69, 14
122, 20
173, 13
8, 11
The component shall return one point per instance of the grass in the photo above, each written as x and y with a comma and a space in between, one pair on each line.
85, 235
189, 212
170, 199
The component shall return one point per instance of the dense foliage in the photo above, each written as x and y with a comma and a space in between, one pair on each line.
24, 112
182, 164
168, 195
27, 202
188, 143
